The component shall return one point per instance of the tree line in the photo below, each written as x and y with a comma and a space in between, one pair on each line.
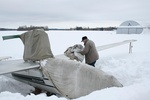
26, 28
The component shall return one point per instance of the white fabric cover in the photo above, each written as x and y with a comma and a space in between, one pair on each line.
72, 52
74, 79
36, 45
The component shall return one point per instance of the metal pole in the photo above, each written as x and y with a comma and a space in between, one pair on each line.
130, 47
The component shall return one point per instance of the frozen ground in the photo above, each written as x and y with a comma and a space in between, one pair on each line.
132, 70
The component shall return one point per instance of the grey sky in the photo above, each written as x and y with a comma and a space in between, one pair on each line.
72, 13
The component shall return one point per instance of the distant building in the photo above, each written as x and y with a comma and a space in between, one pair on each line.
131, 27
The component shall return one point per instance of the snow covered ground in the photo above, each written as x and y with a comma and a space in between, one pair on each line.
132, 70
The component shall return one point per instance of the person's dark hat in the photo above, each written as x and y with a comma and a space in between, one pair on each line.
83, 38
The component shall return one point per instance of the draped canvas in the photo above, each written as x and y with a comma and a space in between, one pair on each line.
74, 79
36, 45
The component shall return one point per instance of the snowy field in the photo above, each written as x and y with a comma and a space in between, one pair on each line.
132, 70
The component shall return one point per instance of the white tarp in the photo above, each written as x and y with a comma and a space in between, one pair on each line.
36, 45
74, 79
72, 52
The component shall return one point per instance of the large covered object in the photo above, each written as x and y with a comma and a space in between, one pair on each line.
74, 79
36, 45
69, 78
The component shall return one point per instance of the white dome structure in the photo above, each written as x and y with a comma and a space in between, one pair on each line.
130, 27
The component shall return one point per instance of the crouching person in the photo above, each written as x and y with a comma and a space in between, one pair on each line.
90, 52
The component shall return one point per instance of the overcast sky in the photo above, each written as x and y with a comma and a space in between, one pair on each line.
72, 13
